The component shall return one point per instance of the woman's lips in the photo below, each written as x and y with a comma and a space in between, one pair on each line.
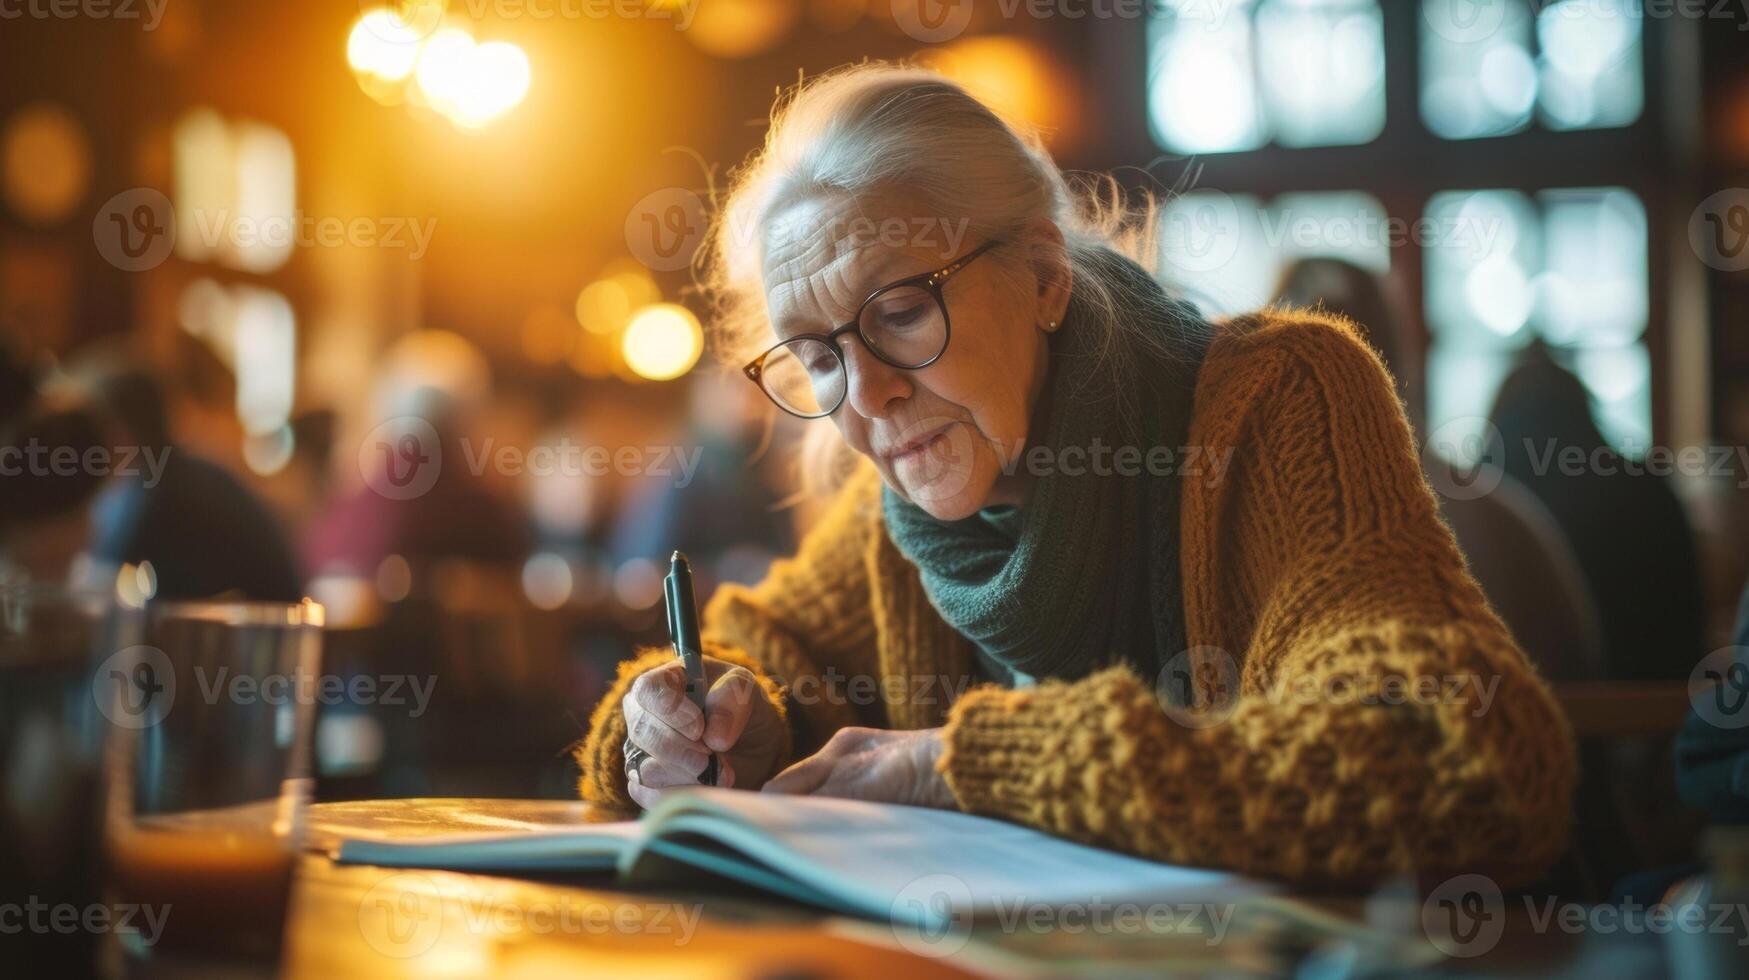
918, 448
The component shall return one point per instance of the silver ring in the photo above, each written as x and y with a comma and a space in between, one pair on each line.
634, 759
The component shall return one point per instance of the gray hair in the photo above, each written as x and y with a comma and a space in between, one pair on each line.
877, 126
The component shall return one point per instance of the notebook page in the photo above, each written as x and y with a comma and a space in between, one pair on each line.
875, 856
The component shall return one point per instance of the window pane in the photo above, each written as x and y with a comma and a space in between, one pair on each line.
1460, 391
1477, 76
1322, 64
1483, 252
1570, 267
1592, 291
1590, 63
1202, 94
1226, 253
1235, 74
1620, 382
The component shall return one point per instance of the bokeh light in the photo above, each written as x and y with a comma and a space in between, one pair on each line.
662, 342
47, 163
470, 83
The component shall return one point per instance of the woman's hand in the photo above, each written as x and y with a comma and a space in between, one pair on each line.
739, 724
872, 764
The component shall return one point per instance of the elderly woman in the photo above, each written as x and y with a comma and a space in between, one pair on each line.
1114, 572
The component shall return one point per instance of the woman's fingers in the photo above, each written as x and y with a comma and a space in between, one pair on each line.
728, 706
804, 777
652, 780
664, 744
662, 692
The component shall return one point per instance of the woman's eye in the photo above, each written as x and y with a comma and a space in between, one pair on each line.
901, 316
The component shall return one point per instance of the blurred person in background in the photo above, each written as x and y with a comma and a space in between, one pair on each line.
1626, 526
1514, 548
713, 501
134, 497
205, 533
426, 495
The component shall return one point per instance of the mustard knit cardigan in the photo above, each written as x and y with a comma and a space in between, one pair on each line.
1316, 561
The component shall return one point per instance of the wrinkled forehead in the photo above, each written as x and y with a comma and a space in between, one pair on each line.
823, 255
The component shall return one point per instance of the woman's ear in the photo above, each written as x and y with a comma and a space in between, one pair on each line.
1049, 257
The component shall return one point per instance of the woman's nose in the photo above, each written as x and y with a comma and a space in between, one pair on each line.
872, 384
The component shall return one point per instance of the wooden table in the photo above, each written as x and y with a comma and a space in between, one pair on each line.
367, 921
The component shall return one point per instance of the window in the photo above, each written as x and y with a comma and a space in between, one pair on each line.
1238, 75
1479, 79
1227, 252
1567, 266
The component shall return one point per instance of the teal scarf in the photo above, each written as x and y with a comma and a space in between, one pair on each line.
1085, 574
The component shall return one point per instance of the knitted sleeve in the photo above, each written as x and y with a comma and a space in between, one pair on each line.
808, 620
1382, 719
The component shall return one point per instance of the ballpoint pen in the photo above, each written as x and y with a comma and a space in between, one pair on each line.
683, 631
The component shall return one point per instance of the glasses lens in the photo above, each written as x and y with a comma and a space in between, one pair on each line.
804, 376
905, 325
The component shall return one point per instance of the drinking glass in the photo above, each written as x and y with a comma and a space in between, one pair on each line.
51, 739
209, 776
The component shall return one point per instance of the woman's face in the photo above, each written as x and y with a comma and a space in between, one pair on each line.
943, 436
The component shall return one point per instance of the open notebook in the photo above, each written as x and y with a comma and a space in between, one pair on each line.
927, 868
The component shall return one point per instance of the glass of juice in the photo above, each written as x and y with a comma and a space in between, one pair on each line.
208, 774
51, 740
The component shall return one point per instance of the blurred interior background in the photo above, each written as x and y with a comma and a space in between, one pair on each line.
261, 232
